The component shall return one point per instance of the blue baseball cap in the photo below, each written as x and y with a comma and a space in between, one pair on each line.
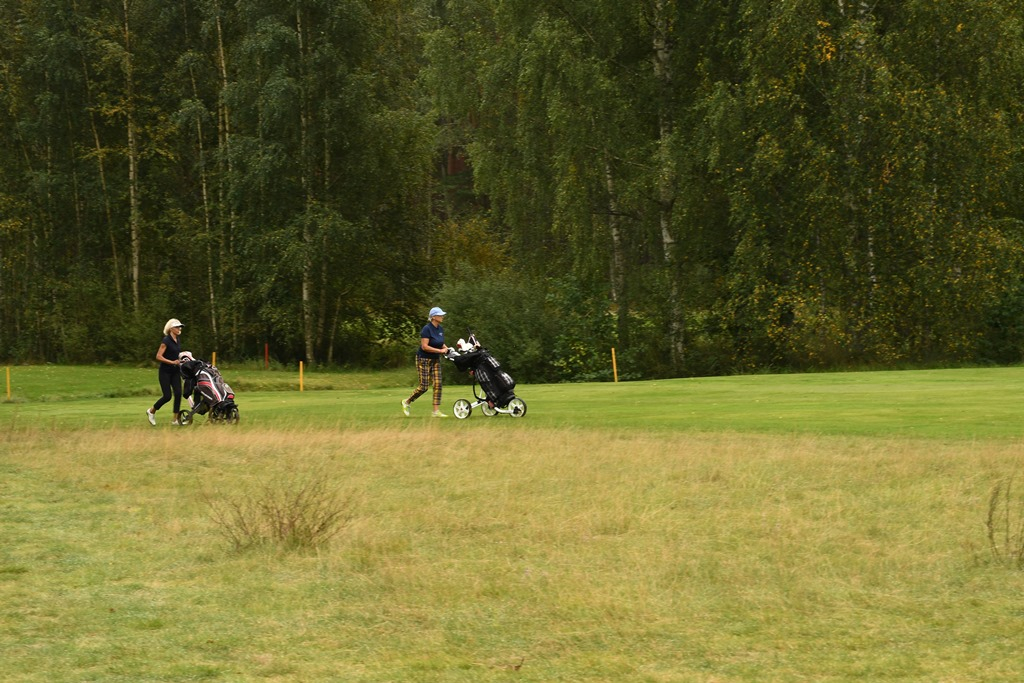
435, 311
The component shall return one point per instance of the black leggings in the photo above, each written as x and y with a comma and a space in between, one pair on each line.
169, 381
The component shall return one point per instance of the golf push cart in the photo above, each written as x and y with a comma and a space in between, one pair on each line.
498, 387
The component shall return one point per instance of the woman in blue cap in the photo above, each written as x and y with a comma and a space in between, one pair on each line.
428, 361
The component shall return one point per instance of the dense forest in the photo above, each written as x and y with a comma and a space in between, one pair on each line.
708, 186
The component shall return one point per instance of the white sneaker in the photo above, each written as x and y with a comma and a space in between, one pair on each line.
151, 416
405, 407
175, 423
438, 413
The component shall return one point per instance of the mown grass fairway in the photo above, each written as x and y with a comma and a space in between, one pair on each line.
775, 528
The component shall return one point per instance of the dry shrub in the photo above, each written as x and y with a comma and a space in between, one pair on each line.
1005, 525
300, 512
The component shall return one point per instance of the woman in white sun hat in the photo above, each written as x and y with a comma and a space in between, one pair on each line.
170, 376
428, 361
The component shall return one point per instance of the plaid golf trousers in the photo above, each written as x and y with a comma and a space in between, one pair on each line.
430, 373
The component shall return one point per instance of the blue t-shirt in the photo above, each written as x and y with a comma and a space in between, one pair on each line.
435, 340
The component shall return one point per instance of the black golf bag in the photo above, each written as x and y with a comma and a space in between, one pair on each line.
497, 384
207, 393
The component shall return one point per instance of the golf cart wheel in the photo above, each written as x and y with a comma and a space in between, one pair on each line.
517, 406
462, 409
233, 417
185, 418
488, 410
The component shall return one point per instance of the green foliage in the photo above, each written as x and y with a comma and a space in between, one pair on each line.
581, 349
470, 244
541, 329
1003, 341
508, 313
714, 187
266, 161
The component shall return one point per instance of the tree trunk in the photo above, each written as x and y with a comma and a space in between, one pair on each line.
226, 172
134, 213
308, 326
101, 172
76, 191
205, 195
115, 256
618, 274
666, 180
334, 330
321, 332
860, 225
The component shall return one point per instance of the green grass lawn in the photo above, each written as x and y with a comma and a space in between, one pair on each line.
827, 527
970, 403
34, 383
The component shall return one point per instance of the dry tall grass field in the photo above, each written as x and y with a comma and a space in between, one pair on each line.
501, 553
